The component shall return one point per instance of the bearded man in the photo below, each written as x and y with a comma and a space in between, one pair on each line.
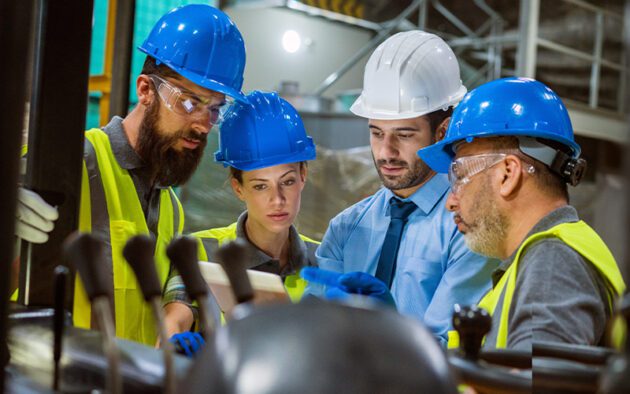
193, 69
510, 153
403, 234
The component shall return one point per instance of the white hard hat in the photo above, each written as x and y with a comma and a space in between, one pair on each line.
409, 75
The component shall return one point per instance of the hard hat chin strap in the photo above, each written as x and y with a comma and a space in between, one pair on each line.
570, 169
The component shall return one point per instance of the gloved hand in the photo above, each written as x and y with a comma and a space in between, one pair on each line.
35, 217
341, 285
187, 342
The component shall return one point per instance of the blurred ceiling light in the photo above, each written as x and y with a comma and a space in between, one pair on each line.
291, 41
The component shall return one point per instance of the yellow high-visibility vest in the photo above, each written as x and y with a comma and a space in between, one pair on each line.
294, 284
580, 237
111, 210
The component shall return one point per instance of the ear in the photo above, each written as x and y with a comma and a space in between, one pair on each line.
237, 188
440, 132
303, 173
143, 89
511, 176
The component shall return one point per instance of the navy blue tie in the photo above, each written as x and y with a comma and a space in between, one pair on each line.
399, 211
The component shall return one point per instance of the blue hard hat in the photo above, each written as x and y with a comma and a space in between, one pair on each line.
509, 106
266, 132
202, 44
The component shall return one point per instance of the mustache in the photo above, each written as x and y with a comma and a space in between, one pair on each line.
395, 163
193, 135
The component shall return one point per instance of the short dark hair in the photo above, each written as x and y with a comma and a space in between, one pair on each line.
437, 117
238, 174
547, 179
150, 66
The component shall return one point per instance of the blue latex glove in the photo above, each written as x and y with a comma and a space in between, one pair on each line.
187, 342
341, 285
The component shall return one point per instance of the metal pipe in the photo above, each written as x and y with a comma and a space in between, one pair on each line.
594, 8
623, 76
528, 43
575, 53
422, 15
101, 307
14, 45
56, 135
166, 346
373, 43
488, 10
439, 7
509, 39
121, 68
597, 58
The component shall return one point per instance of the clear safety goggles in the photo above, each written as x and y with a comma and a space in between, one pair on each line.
187, 103
463, 169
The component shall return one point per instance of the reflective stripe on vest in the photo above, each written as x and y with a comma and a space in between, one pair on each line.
580, 237
111, 210
209, 240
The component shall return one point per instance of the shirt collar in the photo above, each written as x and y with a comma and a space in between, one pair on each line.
428, 195
297, 259
125, 155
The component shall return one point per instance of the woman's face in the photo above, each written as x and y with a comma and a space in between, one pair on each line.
272, 195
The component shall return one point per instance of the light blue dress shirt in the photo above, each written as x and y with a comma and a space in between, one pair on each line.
434, 269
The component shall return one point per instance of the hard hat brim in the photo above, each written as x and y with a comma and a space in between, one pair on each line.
359, 109
307, 154
438, 156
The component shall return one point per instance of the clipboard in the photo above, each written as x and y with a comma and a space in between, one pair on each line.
268, 288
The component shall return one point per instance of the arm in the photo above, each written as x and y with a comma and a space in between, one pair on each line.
558, 297
329, 256
180, 314
178, 318
466, 278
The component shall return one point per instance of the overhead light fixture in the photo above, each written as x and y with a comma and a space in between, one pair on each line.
291, 41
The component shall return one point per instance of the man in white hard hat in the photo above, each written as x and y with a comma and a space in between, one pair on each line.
403, 235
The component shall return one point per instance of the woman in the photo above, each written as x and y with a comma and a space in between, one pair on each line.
266, 147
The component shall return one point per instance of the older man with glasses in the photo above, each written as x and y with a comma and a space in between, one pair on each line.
192, 73
510, 153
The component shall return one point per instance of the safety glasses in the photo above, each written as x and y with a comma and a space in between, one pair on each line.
463, 169
186, 103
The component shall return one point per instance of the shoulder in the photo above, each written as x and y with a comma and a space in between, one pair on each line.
357, 211
311, 246
216, 233
556, 264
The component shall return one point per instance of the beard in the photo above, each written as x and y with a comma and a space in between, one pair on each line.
488, 227
167, 166
417, 173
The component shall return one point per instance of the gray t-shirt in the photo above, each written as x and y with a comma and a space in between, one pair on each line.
558, 297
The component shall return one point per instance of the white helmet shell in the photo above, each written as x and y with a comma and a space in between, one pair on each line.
409, 75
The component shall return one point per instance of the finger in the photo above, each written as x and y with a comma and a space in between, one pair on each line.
362, 283
184, 344
38, 204
318, 275
194, 343
336, 293
30, 234
32, 218
199, 338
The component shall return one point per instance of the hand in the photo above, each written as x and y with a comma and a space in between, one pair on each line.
341, 285
187, 342
34, 217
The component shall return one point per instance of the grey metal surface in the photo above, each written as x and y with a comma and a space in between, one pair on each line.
83, 363
320, 347
15, 17
56, 135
